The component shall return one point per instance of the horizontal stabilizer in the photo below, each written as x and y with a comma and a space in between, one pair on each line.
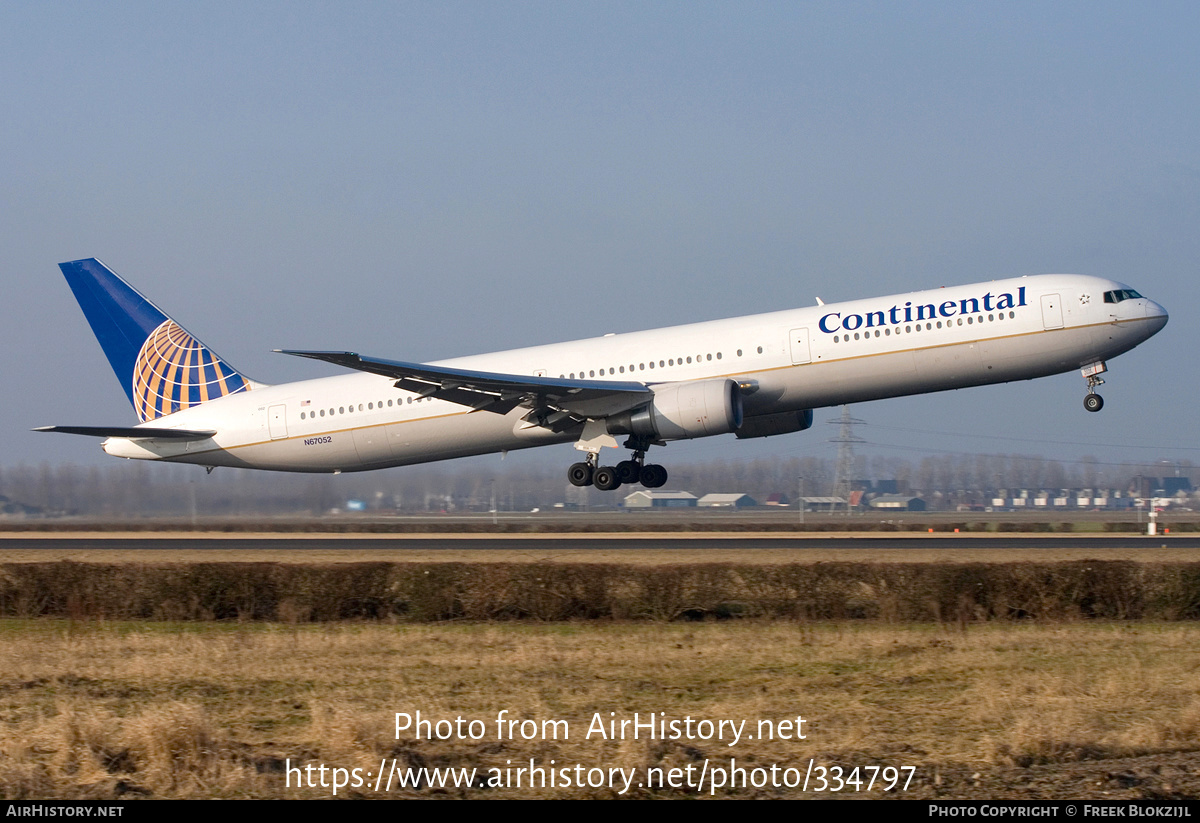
129, 431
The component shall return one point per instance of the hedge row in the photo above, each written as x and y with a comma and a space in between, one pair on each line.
892, 592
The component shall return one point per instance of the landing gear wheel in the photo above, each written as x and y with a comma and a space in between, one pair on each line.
1093, 402
629, 471
580, 474
606, 478
653, 476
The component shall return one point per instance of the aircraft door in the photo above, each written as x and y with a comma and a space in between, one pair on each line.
800, 350
277, 421
1052, 314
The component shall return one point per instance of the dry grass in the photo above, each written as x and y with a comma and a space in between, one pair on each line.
104, 710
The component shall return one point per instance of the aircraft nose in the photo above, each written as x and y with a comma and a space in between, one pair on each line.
1156, 314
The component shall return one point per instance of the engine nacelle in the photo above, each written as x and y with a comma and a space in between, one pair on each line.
766, 425
680, 411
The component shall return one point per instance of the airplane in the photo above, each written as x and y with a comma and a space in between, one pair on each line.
755, 376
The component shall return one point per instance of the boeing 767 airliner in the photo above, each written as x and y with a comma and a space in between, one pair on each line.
751, 376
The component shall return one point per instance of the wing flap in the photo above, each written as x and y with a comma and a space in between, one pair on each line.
494, 391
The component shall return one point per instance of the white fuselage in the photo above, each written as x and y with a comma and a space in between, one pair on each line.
786, 361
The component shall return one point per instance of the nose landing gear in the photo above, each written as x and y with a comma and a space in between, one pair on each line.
1092, 401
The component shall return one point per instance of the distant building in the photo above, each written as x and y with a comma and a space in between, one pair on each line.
1175, 485
898, 502
777, 499
8, 506
726, 501
823, 504
659, 500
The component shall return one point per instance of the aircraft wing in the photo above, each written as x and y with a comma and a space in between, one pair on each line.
130, 431
554, 401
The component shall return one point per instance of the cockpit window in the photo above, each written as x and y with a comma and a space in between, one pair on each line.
1120, 294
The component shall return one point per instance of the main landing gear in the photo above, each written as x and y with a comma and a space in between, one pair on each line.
627, 472
1092, 401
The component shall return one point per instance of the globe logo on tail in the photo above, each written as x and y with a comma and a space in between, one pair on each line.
175, 371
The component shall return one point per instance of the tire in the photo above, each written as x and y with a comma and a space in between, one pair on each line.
606, 478
653, 476
580, 474
628, 471
1093, 402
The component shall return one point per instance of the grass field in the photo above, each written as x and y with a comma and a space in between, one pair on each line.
992, 702
217, 710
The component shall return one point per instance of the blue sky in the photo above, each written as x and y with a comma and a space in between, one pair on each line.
421, 181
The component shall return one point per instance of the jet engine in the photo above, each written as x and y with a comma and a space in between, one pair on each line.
680, 411
768, 425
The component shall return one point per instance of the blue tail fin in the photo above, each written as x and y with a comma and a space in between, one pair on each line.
162, 368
